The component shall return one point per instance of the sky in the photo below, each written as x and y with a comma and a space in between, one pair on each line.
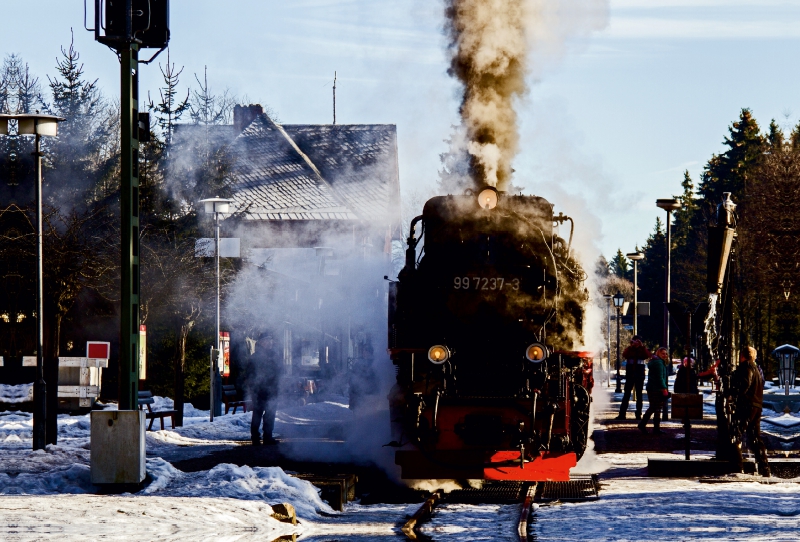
615, 112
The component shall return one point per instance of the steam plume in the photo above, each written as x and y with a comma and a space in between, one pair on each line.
490, 42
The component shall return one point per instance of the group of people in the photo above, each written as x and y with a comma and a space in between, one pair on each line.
745, 392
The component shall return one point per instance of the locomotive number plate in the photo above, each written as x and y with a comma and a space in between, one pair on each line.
484, 283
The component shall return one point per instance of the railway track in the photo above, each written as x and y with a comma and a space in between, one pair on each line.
580, 488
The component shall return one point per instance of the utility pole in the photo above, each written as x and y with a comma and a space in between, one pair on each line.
334, 97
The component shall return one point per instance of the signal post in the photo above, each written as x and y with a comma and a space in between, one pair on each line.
118, 451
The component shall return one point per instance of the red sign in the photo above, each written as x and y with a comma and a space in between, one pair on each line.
225, 346
98, 349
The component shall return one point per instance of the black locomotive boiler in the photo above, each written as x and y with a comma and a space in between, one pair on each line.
483, 323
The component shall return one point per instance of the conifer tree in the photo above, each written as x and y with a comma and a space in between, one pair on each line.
207, 108
87, 142
619, 264
651, 283
775, 139
683, 216
170, 109
728, 172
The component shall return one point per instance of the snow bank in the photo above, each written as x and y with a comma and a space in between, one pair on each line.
161, 474
20, 393
269, 484
15, 429
74, 478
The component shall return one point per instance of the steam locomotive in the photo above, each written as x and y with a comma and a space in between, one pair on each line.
482, 327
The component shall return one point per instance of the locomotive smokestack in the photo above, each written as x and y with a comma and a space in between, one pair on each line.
488, 47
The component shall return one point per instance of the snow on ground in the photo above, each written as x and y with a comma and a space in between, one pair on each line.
48, 493
14, 394
673, 509
82, 517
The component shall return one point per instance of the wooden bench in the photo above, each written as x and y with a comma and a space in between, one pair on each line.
231, 398
146, 399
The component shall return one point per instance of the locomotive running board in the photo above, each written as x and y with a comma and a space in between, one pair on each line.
459, 464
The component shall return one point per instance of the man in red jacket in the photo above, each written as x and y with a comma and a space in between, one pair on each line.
636, 355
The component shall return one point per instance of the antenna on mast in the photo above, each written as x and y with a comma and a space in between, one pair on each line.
334, 97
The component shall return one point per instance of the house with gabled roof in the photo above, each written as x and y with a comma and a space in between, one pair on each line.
317, 208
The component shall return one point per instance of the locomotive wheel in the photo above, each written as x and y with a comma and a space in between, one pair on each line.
579, 424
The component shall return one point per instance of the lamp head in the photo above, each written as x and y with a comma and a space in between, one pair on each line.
668, 204
217, 205
619, 300
32, 124
634, 256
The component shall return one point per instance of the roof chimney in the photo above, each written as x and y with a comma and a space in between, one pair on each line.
243, 115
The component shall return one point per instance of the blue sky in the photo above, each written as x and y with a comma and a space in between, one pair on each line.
611, 120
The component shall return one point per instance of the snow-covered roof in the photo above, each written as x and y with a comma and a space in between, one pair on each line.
311, 171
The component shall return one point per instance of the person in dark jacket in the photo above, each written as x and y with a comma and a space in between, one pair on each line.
262, 383
635, 355
686, 379
657, 391
748, 393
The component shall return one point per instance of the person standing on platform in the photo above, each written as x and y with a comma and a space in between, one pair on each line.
635, 355
262, 384
686, 378
657, 391
748, 392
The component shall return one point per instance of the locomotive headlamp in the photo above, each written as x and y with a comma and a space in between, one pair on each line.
438, 354
536, 352
487, 199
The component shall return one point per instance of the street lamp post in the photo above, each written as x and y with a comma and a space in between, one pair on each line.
608, 298
37, 125
216, 206
635, 257
619, 300
669, 205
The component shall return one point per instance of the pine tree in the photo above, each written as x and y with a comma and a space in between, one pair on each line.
683, 216
85, 149
651, 283
728, 172
170, 109
601, 267
20, 91
775, 139
619, 265
207, 108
